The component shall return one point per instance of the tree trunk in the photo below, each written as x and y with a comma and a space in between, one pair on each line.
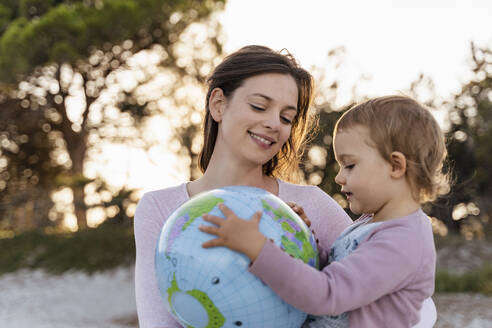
77, 151
76, 143
80, 208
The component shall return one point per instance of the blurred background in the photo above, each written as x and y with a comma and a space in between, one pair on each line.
102, 100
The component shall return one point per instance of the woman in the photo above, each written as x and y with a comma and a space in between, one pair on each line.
255, 127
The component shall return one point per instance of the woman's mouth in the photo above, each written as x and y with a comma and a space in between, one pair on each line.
261, 141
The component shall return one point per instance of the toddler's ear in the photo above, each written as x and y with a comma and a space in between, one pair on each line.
216, 104
398, 164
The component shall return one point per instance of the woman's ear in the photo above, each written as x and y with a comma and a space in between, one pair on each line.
216, 104
398, 164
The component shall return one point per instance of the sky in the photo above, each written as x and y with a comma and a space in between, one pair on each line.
391, 42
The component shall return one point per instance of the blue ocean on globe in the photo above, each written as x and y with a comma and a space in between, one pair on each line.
212, 288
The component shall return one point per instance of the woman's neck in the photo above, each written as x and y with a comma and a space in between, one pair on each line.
224, 173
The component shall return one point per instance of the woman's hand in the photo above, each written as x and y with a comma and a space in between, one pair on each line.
299, 211
235, 233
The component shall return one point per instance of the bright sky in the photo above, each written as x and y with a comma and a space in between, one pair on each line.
392, 41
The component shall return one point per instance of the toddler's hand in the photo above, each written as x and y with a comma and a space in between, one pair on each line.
235, 233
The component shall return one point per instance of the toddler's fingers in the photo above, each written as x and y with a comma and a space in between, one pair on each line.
226, 210
213, 219
209, 229
213, 243
257, 217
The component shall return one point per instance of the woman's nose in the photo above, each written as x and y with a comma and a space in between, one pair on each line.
272, 120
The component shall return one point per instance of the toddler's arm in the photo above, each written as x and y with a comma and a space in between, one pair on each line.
385, 263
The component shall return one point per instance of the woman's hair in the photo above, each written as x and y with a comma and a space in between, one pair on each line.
230, 74
399, 123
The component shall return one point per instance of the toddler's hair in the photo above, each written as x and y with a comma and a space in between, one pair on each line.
399, 123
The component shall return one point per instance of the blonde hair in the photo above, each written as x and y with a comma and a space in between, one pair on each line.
399, 123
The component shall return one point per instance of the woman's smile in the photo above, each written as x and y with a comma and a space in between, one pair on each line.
261, 140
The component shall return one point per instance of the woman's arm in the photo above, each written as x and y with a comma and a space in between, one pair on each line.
148, 222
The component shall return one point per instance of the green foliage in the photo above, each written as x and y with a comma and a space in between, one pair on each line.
471, 282
34, 8
5, 15
29, 171
46, 48
91, 250
470, 149
68, 31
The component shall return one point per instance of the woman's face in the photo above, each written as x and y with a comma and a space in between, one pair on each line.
256, 120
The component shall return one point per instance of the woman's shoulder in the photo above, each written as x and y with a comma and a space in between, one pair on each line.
173, 191
163, 199
302, 191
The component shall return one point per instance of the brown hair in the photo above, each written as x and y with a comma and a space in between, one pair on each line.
399, 123
231, 73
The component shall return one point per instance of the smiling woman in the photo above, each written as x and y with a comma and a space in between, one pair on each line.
255, 126
258, 116
260, 63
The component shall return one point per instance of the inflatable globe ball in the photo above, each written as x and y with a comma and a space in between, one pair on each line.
212, 287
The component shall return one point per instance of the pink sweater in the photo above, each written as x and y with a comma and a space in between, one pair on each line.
383, 283
327, 217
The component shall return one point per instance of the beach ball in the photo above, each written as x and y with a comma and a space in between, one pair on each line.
212, 288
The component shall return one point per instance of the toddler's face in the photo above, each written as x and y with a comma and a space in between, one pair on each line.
364, 174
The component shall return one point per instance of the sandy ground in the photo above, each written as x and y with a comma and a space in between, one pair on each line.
39, 300
35, 299
463, 310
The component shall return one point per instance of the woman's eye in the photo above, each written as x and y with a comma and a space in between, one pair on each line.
349, 167
261, 109
286, 120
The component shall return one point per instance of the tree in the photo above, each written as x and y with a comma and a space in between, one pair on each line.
61, 57
27, 168
470, 150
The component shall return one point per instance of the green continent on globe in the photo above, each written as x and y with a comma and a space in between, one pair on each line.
215, 318
287, 227
306, 252
278, 212
201, 204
